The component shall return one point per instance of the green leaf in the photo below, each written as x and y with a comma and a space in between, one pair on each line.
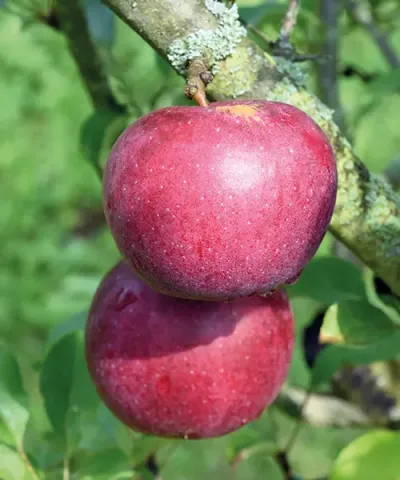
101, 465
375, 135
13, 412
260, 432
256, 465
255, 15
387, 83
5, 435
378, 301
83, 400
69, 394
315, 449
133, 70
355, 322
75, 323
99, 133
144, 446
335, 356
359, 49
28, 10
11, 465
57, 379
114, 429
197, 461
83, 394
329, 280
141, 474
330, 330
370, 457
304, 310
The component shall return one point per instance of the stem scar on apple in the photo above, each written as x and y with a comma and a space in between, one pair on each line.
198, 77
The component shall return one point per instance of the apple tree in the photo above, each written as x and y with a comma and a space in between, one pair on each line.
168, 372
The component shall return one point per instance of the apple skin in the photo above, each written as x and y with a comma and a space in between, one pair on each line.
182, 368
220, 202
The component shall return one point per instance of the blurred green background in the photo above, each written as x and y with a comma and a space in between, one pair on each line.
54, 243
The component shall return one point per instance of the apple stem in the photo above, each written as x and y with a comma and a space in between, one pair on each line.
200, 98
197, 78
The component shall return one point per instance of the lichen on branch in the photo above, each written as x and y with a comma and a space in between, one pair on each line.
214, 44
367, 215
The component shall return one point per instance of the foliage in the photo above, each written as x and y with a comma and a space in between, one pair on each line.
55, 248
370, 456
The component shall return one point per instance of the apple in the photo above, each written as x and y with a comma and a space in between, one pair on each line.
182, 368
220, 202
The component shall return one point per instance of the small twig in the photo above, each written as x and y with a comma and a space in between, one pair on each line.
289, 20
73, 23
115, 70
198, 77
283, 47
328, 71
289, 53
27, 463
361, 12
308, 57
269, 42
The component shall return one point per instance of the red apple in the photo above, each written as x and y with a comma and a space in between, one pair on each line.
182, 368
220, 202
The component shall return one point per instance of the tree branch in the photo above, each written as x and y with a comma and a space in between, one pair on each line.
361, 12
367, 214
290, 19
73, 23
328, 78
160, 23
